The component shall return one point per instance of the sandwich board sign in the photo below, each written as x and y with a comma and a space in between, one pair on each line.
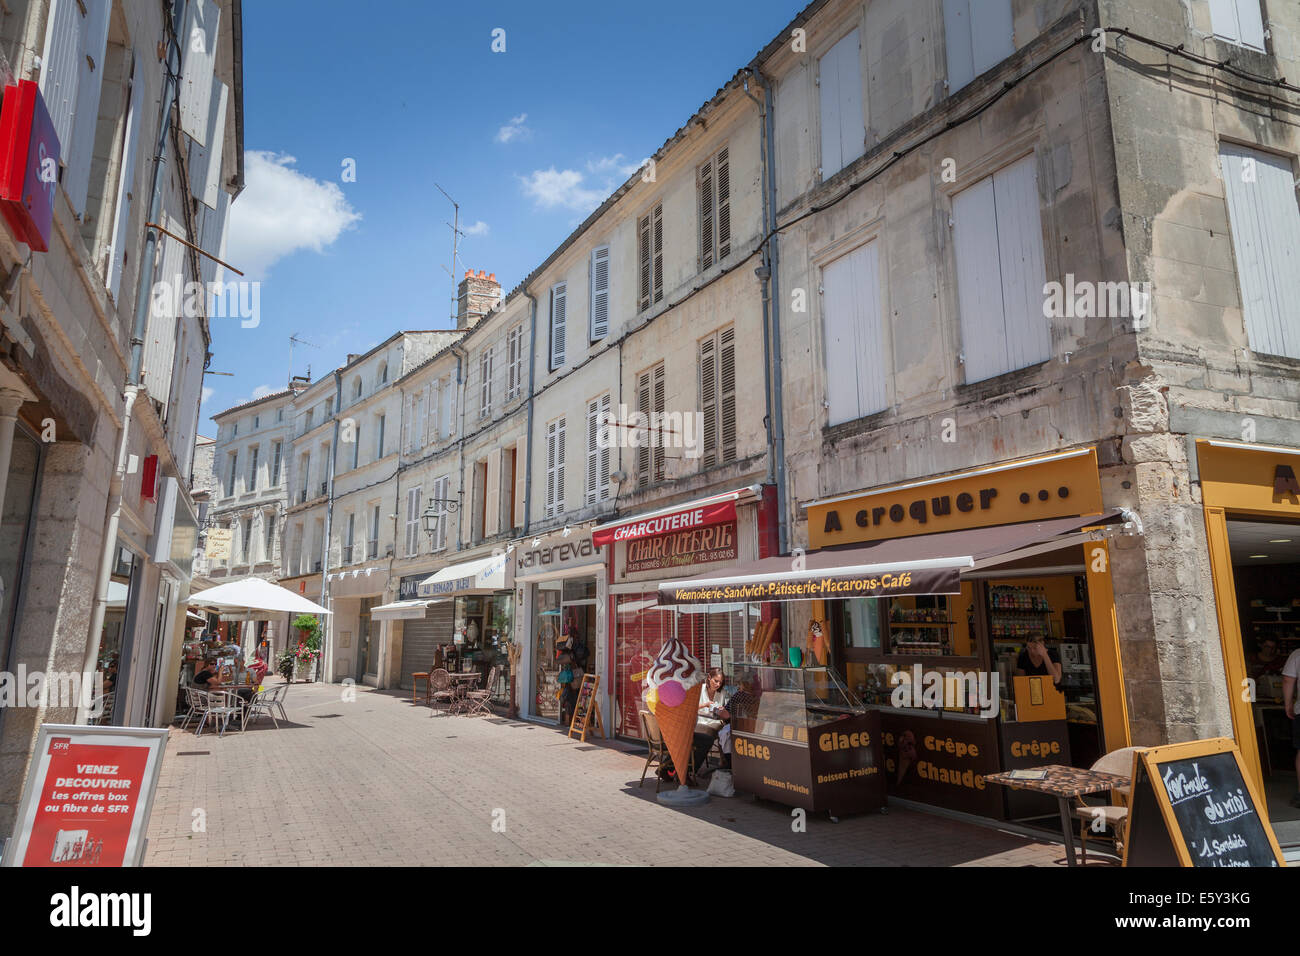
1194, 805
88, 796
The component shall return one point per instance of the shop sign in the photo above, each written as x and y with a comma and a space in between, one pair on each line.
29, 165
87, 798
408, 586
822, 585
1285, 484
683, 548
218, 544
555, 556
1033, 743
942, 762
715, 513
1056, 487
1248, 477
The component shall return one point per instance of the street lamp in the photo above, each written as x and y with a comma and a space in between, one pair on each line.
433, 513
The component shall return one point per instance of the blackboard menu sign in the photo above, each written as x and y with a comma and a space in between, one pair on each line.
1193, 805
587, 705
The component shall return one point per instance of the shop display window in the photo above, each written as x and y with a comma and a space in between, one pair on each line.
786, 703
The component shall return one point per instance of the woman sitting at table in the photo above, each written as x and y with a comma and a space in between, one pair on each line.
209, 676
713, 719
257, 668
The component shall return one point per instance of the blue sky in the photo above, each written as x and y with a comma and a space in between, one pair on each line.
528, 141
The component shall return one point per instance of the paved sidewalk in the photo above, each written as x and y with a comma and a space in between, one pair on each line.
377, 781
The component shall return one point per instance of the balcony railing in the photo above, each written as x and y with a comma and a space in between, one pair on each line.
347, 554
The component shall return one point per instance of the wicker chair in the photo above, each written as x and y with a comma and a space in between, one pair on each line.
479, 700
1106, 821
440, 691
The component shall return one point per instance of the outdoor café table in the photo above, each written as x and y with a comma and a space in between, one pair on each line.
1064, 783
462, 683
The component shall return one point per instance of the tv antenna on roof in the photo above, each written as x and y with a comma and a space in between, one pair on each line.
298, 339
455, 247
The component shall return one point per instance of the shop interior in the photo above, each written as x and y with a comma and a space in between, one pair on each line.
487, 626
1266, 576
564, 610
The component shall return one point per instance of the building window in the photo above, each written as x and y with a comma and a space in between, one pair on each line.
1000, 283
1238, 21
372, 543
257, 422
252, 469
555, 468
853, 339
514, 362
598, 445
245, 540
412, 522
718, 397
348, 541
713, 183
356, 389
650, 253
234, 469
978, 35
485, 382
559, 306
844, 128
509, 467
277, 451
270, 538
650, 403
478, 503
356, 445
441, 492
1265, 224
598, 319
383, 373
379, 435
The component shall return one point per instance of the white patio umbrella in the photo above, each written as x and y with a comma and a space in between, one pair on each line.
254, 594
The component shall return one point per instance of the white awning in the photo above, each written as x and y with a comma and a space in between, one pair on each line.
403, 610
483, 576
254, 594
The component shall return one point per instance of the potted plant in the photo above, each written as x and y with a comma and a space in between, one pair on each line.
308, 651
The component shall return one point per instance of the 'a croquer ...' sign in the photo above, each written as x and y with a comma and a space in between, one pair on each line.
815, 585
1058, 486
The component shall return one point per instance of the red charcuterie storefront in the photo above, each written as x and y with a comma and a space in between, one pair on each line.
679, 541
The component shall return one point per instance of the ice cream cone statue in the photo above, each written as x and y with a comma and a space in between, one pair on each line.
673, 696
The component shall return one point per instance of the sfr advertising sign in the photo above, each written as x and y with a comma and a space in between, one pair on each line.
87, 797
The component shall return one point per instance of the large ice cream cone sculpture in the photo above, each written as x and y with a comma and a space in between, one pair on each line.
673, 697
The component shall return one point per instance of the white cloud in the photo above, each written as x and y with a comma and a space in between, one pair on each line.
207, 393
614, 164
280, 211
561, 189
261, 392
479, 228
514, 129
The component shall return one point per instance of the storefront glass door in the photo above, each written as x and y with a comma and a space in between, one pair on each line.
567, 604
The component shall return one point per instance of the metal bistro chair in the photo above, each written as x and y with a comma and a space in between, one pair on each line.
264, 702
220, 709
479, 700
658, 755
194, 699
1106, 821
440, 691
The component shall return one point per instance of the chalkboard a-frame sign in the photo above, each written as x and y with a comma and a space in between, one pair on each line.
1193, 805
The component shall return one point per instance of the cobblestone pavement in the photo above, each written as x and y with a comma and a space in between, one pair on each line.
379, 781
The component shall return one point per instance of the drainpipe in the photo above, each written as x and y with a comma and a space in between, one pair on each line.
327, 667
767, 274
532, 376
462, 357
143, 301
90, 662
764, 272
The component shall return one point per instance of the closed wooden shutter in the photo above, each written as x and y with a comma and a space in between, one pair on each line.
717, 355
125, 184
727, 392
853, 331
79, 151
485, 383
205, 160
706, 214
599, 325
413, 522
709, 399
559, 307
597, 450
1000, 277
722, 170
433, 425
441, 490
408, 415
978, 34
198, 56
555, 468
1265, 222
1240, 21
450, 392
659, 252
840, 88
61, 68
644, 258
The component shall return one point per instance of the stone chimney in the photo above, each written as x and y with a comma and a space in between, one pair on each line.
477, 294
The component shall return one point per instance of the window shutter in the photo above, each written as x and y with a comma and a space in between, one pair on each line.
727, 392
599, 293
644, 258
485, 383
706, 215
125, 184
450, 393
413, 522
957, 40
658, 386
550, 469
559, 298
1265, 222
722, 170
659, 252
205, 161
79, 151
198, 57
828, 90
1027, 334
559, 468
61, 68
593, 449
440, 490
992, 35
408, 414
603, 483
843, 124
709, 399
979, 286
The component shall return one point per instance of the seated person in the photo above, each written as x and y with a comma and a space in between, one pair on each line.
713, 719
1038, 659
209, 676
743, 706
1266, 659
257, 668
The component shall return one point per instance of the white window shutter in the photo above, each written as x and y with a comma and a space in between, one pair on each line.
992, 37
828, 87
451, 391
979, 283
1027, 333
708, 349
643, 246
205, 160
198, 57
659, 252
593, 451
559, 307
599, 325
957, 39
727, 393
550, 469
559, 468
212, 237
851, 315
440, 491
843, 124
722, 173
79, 151
1264, 218
705, 190
61, 68
1250, 23
126, 182
603, 483
408, 413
